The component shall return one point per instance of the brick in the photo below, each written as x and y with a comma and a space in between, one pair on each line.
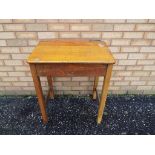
132, 68
118, 68
128, 88
127, 62
116, 78
151, 56
114, 88
3, 73
69, 35
79, 88
1, 62
5, 84
137, 20
145, 62
151, 20
140, 73
72, 84
62, 88
145, 27
147, 49
140, 42
5, 20
13, 62
152, 74
120, 55
133, 34
16, 42
132, 78
1, 27
92, 20
25, 78
47, 20
124, 27
4, 56
14, 27
114, 20
90, 35
90, 83
147, 78
9, 79
22, 68
123, 73
107, 41
29, 89
20, 84
2, 43
7, 35
80, 27
151, 83
137, 56
58, 27
36, 27
70, 20
122, 83
102, 27
153, 42
144, 87
130, 49
120, 42
9, 50
114, 49
23, 20
26, 49
19, 56
57, 83
150, 35
151, 68
26, 35
47, 35
33, 42
138, 83
80, 78
6, 68
62, 79
112, 35
16, 74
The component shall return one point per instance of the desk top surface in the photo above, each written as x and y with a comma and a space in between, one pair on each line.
71, 51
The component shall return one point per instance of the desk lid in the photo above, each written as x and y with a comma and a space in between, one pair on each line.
71, 51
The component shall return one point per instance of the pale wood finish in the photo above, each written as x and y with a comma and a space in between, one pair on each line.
104, 93
67, 69
50, 83
50, 93
95, 87
71, 58
39, 92
71, 52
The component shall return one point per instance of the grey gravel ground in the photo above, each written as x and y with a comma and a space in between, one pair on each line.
76, 115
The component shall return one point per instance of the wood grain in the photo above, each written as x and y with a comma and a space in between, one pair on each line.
70, 70
71, 52
104, 93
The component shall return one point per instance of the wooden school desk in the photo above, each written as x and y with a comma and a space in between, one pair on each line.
59, 58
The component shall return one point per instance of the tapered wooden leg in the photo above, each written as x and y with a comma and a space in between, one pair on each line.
95, 87
104, 93
39, 92
50, 83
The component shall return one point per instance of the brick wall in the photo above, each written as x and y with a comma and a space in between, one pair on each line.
131, 41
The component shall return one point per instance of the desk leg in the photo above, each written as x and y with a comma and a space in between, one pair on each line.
50, 84
39, 92
104, 93
95, 87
